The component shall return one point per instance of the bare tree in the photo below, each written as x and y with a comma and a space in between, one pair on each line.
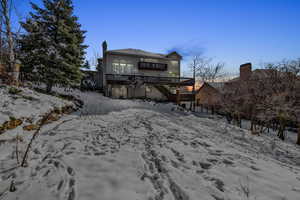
94, 59
270, 98
193, 67
284, 85
205, 70
6, 7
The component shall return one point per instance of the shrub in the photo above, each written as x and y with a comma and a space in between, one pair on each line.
12, 118
13, 90
29, 98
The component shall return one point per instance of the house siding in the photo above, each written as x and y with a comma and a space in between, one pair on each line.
126, 91
207, 95
143, 91
173, 69
122, 77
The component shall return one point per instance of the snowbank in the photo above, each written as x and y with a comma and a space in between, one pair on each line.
26, 104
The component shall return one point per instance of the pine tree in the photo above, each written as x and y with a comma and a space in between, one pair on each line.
53, 49
86, 65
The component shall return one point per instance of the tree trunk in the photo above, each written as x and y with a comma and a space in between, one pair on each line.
12, 71
282, 125
49, 88
280, 133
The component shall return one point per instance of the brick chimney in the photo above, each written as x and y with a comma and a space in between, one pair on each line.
245, 71
104, 47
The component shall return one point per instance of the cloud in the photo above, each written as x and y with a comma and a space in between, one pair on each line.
187, 49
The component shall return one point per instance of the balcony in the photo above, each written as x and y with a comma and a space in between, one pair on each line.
131, 79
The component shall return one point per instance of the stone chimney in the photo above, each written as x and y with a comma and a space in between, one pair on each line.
245, 71
104, 47
103, 68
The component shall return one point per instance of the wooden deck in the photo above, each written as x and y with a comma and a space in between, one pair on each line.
131, 79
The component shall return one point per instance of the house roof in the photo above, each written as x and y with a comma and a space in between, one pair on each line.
258, 73
174, 53
263, 73
216, 85
139, 52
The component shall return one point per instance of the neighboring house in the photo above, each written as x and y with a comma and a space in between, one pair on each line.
209, 94
134, 73
245, 75
257, 90
250, 77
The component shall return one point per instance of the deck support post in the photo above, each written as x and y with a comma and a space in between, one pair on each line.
177, 96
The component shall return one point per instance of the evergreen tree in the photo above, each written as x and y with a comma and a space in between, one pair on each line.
86, 65
53, 49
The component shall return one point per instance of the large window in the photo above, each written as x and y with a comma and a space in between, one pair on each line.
122, 67
153, 66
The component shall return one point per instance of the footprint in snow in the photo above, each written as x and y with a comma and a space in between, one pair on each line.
228, 162
205, 165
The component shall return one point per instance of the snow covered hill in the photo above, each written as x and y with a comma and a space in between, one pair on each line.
128, 150
23, 103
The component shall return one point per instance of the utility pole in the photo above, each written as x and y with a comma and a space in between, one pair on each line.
194, 73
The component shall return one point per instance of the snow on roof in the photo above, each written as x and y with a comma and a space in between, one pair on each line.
137, 52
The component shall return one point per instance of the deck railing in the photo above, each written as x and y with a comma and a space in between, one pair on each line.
127, 79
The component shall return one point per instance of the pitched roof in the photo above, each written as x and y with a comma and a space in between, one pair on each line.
257, 73
174, 53
138, 52
216, 85
263, 73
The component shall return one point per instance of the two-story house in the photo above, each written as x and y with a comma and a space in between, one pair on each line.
134, 73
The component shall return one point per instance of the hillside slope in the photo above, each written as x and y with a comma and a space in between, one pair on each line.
142, 150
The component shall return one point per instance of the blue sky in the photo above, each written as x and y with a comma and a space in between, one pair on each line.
231, 31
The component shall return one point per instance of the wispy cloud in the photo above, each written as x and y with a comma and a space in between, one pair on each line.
187, 49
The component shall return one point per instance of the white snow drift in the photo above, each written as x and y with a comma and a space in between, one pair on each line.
27, 104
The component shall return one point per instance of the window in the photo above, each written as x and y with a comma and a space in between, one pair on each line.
153, 66
130, 68
122, 67
115, 68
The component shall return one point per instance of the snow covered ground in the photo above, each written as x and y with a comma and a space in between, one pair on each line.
25, 103
122, 149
